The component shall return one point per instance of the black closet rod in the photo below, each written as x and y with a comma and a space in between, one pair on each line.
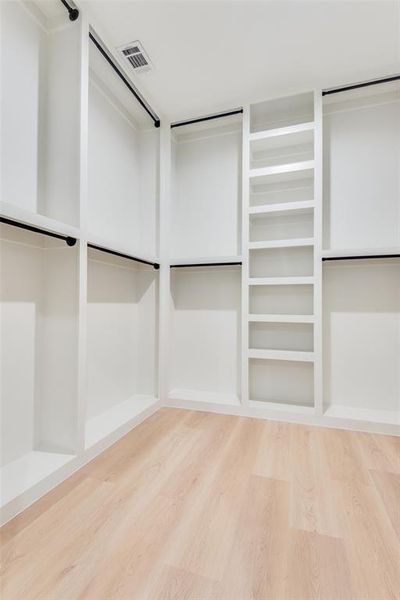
73, 13
208, 118
217, 264
128, 256
70, 241
355, 86
130, 87
362, 257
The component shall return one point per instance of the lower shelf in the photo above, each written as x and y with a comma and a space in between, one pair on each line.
297, 355
123, 414
204, 397
282, 407
28, 471
354, 413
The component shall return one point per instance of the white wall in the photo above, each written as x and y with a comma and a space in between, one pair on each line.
205, 330
206, 196
362, 334
361, 174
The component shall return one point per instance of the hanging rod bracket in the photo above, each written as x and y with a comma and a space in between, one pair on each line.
73, 13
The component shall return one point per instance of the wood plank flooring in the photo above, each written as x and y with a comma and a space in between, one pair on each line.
199, 506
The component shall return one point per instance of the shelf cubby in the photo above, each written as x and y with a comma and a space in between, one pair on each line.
39, 342
281, 262
282, 113
281, 300
282, 146
40, 112
282, 382
284, 227
281, 336
121, 343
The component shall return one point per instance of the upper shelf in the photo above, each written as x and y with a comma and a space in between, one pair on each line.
356, 252
33, 219
282, 137
301, 206
292, 171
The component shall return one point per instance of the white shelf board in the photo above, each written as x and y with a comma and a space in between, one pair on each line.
204, 396
282, 137
338, 411
291, 243
206, 260
282, 406
281, 281
281, 355
99, 427
273, 318
302, 206
287, 172
108, 244
26, 472
337, 253
15, 213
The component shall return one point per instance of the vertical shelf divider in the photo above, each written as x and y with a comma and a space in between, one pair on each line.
318, 187
245, 253
83, 222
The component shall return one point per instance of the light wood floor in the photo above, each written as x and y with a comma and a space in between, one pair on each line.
197, 506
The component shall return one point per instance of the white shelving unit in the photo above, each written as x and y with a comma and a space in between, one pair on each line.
281, 252
79, 327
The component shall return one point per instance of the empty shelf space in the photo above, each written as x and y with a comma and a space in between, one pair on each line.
281, 172
282, 383
295, 356
273, 318
29, 470
281, 281
125, 414
281, 243
282, 208
204, 397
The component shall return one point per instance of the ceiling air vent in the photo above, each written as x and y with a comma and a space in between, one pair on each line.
135, 55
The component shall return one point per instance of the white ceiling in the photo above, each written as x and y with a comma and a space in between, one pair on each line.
214, 55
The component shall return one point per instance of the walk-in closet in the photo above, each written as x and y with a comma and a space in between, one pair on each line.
200, 298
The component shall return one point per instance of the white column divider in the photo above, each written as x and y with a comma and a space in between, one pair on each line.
245, 253
83, 211
318, 393
164, 274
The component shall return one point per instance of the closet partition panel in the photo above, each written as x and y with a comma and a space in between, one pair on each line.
205, 251
362, 218
39, 309
40, 111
